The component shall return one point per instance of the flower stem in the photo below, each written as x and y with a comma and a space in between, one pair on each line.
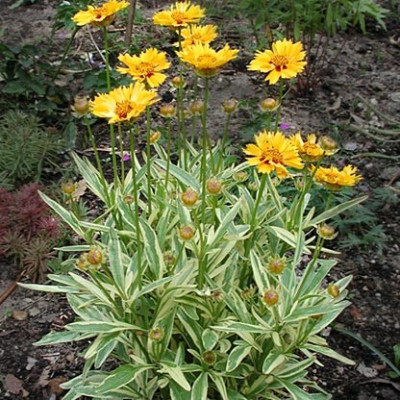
136, 200
114, 156
224, 140
168, 152
106, 51
148, 157
121, 150
278, 111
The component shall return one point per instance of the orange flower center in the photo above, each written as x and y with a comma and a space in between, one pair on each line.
178, 16
146, 70
280, 62
207, 59
122, 109
271, 155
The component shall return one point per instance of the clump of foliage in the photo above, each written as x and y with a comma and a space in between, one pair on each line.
200, 278
25, 149
28, 230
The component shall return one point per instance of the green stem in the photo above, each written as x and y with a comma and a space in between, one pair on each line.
98, 161
258, 199
168, 152
106, 51
148, 156
278, 112
66, 51
136, 199
224, 139
114, 156
201, 276
121, 150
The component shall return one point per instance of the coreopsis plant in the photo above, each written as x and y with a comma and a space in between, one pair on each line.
199, 279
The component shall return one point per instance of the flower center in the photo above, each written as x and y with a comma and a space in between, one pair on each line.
122, 109
271, 155
178, 16
146, 70
280, 62
207, 59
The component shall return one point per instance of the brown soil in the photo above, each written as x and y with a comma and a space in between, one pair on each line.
359, 67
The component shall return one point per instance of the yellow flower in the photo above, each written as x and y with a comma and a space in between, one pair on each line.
205, 60
99, 16
180, 14
146, 67
273, 152
197, 34
334, 179
285, 60
309, 150
123, 104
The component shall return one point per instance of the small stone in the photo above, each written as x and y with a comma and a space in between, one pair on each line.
20, 315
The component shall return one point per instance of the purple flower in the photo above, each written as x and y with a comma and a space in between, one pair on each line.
284, 126
126, 157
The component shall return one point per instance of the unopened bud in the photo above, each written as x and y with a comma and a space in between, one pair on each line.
214, 186
217, 296
268, 104
209, 357
270, 297
178, 81
81, 105
247, 294
333, 290
196, 107
68, 187
94, 256
276, 264
169, 258
155, 137
327, 143
189, 197
168, 110
128, 199
156, 335
240, 176
186, 232
253, 186
230, 105
327, 232
82, 263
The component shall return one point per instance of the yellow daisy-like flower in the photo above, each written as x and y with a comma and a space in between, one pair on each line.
123, 104
285, 60
334, 179
273, 152
146, 67
99, 16
205, 60
197, 34
180, 14
309, 150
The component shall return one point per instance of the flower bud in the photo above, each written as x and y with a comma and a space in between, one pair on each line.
168, 110
270, 297
276, 264
214, 186
155, 137
247, 293
217, 296
169, 258
209, 357
327, 232
196, 107
186, 232
68, 187
156, 335
333, 290
81, 105
268, 104
230, 105
128, 199
94, 256
178, 81
82, 263
240, 176
253, 186
327, 143
189, 197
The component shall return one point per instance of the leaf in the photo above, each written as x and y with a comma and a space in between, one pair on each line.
116, 264
59, 337
101, 327
177, 393
185, 178
48, 288
236, 356
286, 236
220, 384
326, 351
273, 360
175, 373
121, 376
13, 384
258, 272
200, 387
210, 339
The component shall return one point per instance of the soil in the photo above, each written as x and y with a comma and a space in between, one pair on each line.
358, 93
